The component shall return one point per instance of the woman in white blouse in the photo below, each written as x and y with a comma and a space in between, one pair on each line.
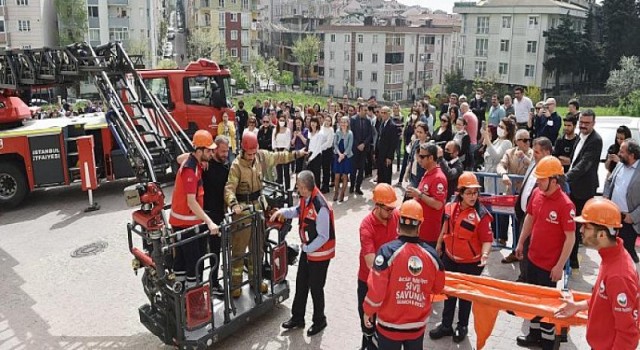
495, 150
252, 126
327, 152
281, 141
314, 147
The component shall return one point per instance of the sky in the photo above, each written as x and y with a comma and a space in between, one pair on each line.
446, 5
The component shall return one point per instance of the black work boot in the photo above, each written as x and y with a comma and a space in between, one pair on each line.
440, 332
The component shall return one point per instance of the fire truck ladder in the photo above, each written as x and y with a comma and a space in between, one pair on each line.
150, 142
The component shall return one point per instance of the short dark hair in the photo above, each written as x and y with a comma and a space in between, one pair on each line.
431, 148
611, 233
519, 88
571, 119
588, 113
544, 143
575, 103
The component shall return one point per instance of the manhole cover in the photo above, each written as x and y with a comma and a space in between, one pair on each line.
90, 249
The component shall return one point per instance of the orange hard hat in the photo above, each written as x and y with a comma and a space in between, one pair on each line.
411, 213
385, 194
549, 166
203, 139
249, 141
468, 180
600, 211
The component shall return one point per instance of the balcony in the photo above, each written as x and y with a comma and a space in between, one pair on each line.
4, 39
3, 11
94, 22
117, 2
119, 22
205, 4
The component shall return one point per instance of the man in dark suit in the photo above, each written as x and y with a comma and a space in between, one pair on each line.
362, 135
386, 146
451, 165
257, 110
583, 172
264, 110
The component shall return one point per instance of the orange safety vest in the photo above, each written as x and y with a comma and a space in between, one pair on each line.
308, 232
461, 241
181, 215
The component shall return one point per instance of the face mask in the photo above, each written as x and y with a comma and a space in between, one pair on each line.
478, 97
414, 116
501, 132
447, 156
281, 124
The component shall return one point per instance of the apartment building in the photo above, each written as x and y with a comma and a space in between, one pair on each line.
390, 62
503, 40
233, 20
123, 20
27, 23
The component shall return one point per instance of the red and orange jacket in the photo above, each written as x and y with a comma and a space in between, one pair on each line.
405, 275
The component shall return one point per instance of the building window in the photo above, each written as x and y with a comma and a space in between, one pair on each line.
533, 22
394, 58
221, 20
504, 45
374, 76
245, 55
3, 2
532, 46
22, 2
93, 11
480, 69
529, 70
482, 47
360, 38
221, 3
245, 37
346, 74
397, 77
411, 58
332, 73
374, 58
482, 25
332, 55
375, 38
374, 92
24, 26
2, 29
330, 89
503, 68
118, 34
359, 75
245, 4
221, 34
234, 52
359, 92
347, 57
427, 40
94, 34
554, 23
234, 17
234, 35
347, 38
360, 57
223, 52
333, 38
506, 22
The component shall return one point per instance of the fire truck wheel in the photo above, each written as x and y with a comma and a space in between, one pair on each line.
13, 185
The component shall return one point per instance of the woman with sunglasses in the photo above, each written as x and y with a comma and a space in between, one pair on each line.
494, 151
407, 137
421, 135
444, 133
464, 244
251, 126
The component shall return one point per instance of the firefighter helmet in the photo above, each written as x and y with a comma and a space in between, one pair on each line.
203, 139
600, 211
249, 141
384, 194
547, 167
468, 180
411, 213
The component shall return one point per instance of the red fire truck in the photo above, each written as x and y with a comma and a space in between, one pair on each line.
148, 119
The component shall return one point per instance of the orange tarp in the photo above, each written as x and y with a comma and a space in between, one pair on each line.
490, 295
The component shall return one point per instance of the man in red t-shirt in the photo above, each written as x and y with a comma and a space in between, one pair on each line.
550, 224
377, 228
431, 193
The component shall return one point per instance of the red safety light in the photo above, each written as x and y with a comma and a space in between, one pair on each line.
198, 306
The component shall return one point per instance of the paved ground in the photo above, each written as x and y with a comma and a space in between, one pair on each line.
53, 301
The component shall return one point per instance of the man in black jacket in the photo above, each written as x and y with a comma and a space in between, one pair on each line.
583, 172
362, 136
450, 165
479, 107
386, 146
242, 117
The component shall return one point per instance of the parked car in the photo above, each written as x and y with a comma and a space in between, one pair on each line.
606, 126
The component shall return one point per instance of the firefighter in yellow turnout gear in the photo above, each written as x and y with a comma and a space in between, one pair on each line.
243, 188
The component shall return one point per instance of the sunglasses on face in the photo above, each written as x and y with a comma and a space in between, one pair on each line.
524, 140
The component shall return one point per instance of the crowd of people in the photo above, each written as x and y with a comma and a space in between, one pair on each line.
439, 224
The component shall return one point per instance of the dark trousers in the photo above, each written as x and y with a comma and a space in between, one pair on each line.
357, 172
501, 226
403, 169
450, 303
311, 276
327, 159
398, 152
542, 330
573, 258
629, 235
215, 244
368, 162
523, 263
367, 333
187, 256
315, 166
284, 177
385, 343
384, 170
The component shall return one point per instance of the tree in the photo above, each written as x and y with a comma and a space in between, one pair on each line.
202, 43
257, 64
285, 78
306, 52
626, 79
72, 17
167, 64
454, 81
561, 50
271, 70
138, 47
237, 72
620, 29
591, 58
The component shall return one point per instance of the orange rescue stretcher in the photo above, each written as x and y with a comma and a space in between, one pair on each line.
527, 301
